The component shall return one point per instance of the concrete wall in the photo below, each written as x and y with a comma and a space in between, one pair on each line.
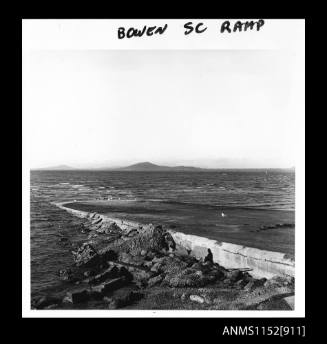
263, 263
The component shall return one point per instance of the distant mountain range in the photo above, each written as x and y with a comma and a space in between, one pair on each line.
56, 168
148, 166
142, 166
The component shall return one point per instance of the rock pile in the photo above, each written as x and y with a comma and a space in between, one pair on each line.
116, 266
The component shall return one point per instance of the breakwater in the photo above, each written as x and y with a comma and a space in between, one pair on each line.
260, 263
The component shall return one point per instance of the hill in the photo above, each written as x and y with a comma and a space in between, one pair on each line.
148, 166
56, 168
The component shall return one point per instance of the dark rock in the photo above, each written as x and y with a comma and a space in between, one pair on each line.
158, 260
112, 272
247, 277
97, 221
215, 274
227, 281
114, 227
108, 287
169, 241
197, 266
95, 294
280, 281
188, 278
131, 232
112, 303
77, 296
114, 284
141, 276
150, 255
86, 255
94, 215
141, 283
126, 258
241, 283
65, 274
97, 289
148, 264
189, 260
234, 275
155, 280
151, 238
156, 268
110, 255
255, 283
125, 299
45, 301
123, 272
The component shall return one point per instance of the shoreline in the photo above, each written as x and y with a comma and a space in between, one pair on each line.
262, 263
121, 264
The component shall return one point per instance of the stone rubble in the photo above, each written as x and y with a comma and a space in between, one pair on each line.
113, 259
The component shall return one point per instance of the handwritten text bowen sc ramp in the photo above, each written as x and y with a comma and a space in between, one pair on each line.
225, 27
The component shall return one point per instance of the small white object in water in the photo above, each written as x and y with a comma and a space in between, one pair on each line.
223, 215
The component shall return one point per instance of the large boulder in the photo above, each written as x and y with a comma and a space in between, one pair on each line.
86, 255
151, 238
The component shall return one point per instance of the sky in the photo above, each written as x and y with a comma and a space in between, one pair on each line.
207, 108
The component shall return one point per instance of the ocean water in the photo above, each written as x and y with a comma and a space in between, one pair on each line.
189, 200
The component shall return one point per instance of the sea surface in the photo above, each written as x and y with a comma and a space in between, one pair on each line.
191, 202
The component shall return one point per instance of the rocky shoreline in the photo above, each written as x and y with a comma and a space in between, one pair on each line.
125, 265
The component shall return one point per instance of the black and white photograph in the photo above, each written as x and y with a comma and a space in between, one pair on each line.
163, 167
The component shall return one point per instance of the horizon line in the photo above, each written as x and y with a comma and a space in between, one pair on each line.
69, 167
